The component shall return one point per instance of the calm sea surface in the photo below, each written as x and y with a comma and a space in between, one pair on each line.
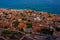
51, 6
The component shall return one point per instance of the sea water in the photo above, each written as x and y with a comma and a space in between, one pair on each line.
51, 6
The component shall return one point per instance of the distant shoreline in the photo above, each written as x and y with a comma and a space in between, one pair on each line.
31, 9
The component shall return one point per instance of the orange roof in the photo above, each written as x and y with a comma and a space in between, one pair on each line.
21, 25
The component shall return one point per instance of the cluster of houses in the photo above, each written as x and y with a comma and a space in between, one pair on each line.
28, 21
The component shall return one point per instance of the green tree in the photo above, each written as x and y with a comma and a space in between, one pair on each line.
5, 31
15, 23
46, 31
28, 24
22, 30
29, 32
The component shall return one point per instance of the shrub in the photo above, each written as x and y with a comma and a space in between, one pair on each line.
22, 29
5, 31
28, 24
46, 31
15, 24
